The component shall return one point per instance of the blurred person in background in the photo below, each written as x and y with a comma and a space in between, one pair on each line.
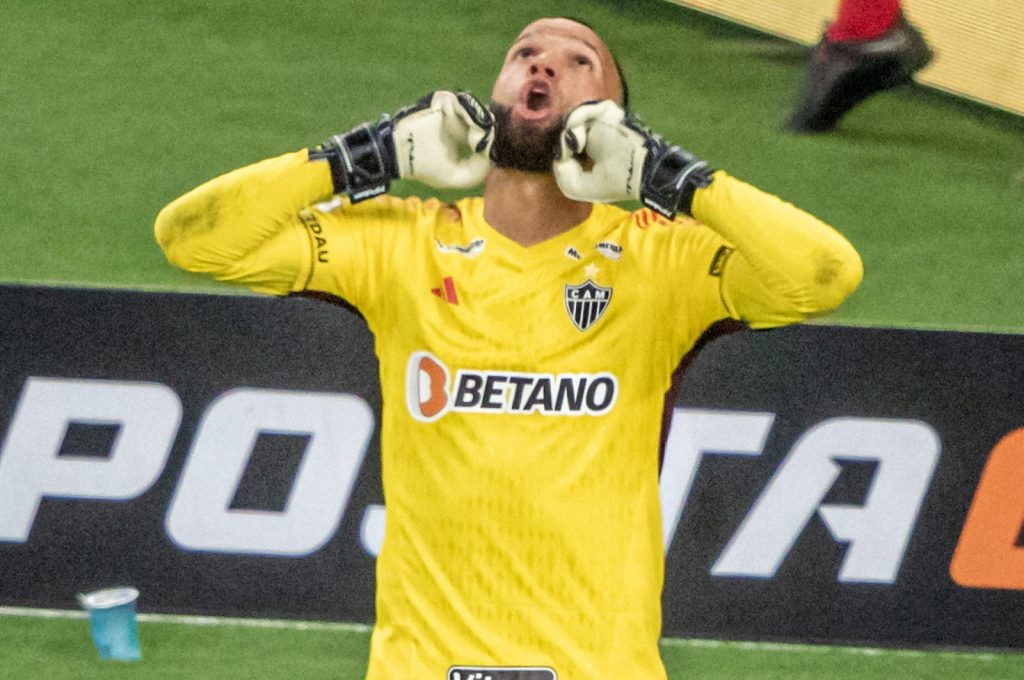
869, 47
527, 341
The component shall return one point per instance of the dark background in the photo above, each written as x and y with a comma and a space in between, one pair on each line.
966, 386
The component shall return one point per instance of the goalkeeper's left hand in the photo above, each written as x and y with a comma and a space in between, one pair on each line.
628, 161
443, 140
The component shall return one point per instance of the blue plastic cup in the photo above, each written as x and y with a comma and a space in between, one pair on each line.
112, 615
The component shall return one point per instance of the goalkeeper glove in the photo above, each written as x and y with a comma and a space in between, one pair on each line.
628, 162
443, 140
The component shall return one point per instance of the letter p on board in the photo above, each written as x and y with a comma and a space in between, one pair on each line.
31, 467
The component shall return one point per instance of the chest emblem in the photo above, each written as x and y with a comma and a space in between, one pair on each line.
586, 303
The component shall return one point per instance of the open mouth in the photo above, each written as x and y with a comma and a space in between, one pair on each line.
535, 101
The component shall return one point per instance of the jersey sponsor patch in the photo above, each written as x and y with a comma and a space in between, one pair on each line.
719, 260
611, 250
586, 303
316, 235
470, 250
431, 391
500, 673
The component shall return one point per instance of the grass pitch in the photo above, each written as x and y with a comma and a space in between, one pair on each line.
61, 649
114, 107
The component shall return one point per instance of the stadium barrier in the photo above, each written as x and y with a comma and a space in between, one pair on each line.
818, 484
978, 46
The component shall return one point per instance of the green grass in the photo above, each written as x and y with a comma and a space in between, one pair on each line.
114, 107
59, 649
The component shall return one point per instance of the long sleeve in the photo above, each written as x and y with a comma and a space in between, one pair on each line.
787, 264
245, 227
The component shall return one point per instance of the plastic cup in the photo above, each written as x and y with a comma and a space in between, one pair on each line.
112, 615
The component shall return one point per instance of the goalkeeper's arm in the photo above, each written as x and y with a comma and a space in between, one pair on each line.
783, 265
244, 226
241, 226
787, 264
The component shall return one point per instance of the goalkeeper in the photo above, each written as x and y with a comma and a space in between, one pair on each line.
527, 339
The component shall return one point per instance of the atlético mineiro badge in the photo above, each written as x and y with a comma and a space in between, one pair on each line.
586, 303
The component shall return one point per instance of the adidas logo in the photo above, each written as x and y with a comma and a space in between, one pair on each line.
446, 291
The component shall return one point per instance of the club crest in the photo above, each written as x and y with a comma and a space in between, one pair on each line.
586, 303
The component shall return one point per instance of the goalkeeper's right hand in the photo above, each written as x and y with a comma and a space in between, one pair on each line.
443, 140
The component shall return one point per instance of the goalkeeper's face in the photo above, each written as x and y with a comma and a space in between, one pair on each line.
552, 67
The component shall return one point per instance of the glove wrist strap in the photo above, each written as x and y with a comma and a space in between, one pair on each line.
671, 176
362, 160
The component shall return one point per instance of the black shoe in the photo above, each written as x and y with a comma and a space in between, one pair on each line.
842, 74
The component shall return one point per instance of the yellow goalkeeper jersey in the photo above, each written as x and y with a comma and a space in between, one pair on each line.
523, 392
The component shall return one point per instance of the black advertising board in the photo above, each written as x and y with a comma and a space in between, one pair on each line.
847, 521
221, 454
202, 355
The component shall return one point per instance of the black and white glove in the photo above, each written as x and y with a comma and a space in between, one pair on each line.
443, 140
627, 161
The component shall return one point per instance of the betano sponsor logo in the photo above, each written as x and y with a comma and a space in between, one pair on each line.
431, 391
200, 516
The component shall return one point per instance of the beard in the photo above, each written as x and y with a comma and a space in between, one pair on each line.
519, 145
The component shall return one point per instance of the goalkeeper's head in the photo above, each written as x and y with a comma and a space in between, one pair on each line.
553, 66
